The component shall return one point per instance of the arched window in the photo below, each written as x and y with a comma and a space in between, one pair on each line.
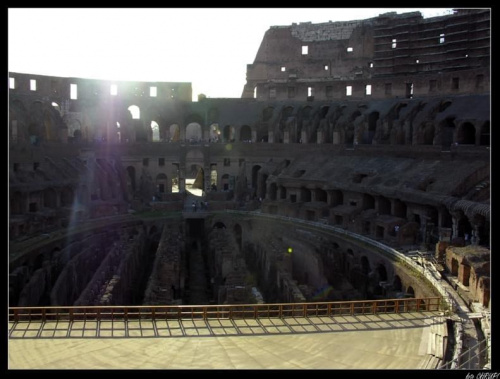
135, 112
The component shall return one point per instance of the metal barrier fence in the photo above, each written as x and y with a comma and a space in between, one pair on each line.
474, 358
235, 311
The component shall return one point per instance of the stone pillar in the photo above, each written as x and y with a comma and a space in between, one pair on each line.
320, 136
303, 136
286, 136
455, 218
254, 136
336, 138
270, 137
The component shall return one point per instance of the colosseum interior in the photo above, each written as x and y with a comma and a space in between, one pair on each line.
349, 138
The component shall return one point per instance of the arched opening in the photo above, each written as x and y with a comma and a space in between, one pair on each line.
321, 195
49, 198
323, 111
131, 177
267, 114
282, 191
155, 129
66, 197
214, 133
255, 176
466, 134
384, 206
368, 202
382, 272
213, 178
400, 208
194, 132
372, 126
454, 267
219, 225
365, 265
261, 186
305, 113
161, 184
465, 274
118, 132
446, 219
464, 227
485, 134
273, 190
410, 292
397, 284
429, 132
238, 234
135, 111
337, 198
228, 133
225, 182
305, 195
355, 115
174, 133
245, 134
447, 131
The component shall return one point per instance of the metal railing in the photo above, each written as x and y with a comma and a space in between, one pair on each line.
474, 358
235, 311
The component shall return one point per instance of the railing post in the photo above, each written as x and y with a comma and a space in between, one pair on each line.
304, 309
280, 307
43, 314
329, 309
255, 311
374, 308
352, 309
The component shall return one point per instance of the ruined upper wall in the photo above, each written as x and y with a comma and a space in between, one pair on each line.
307, 32
387, 56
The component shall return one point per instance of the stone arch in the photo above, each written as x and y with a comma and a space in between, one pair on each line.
194, 132
382, 272
447, 131
466, 134
323, 111
410, 291
365, 265
219, 225
214, 134
372, 127
135, 111
397, 284
174, 133
228, 133
305, 195
428, 133
155, 131
454, 267
245, 133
